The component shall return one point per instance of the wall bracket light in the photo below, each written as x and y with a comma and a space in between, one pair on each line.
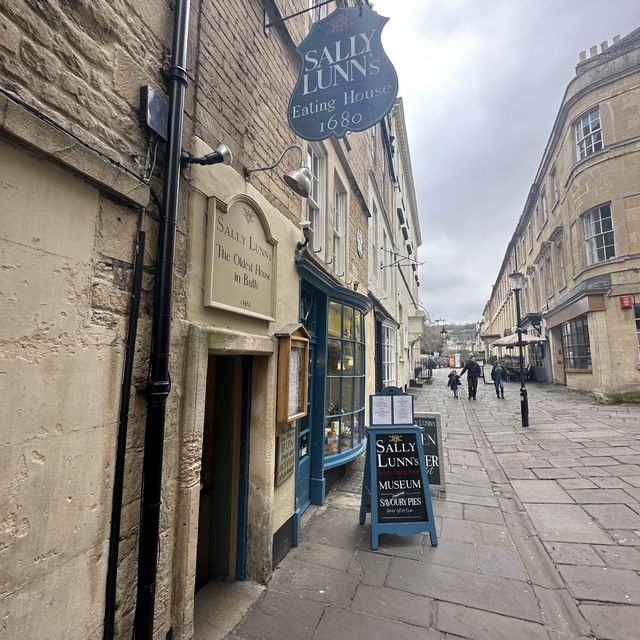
299, 179
222, 155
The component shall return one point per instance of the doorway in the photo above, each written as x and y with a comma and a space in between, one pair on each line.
224, 471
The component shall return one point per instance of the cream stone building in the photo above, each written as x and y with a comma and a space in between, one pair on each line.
82, 226
577, 241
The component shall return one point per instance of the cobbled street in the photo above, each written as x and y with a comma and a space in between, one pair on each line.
539, 534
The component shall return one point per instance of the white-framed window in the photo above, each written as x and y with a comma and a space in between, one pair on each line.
317, 13
588, 134
598, 234
530, 236
543, 206
339, 226
555, 193
389, 341
316, 202
373, 142
562, 274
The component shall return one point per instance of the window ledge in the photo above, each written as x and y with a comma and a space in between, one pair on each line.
589, 371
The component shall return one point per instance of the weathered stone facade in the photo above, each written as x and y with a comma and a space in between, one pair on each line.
79, 177
577, 241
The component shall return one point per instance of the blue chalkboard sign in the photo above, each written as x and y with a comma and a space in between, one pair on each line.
396, 480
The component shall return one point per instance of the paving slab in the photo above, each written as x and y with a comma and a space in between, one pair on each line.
336, 623
619, 557
500, 595
478, 533
464, 622
577, 483
541, 491
600, 496
500, 562
565, 523
561, 612
451, 553
393, 604
610, 516
370, 567
479, 513
602, 584
278, 616
555, 473
577, 554
612, 622
314, 582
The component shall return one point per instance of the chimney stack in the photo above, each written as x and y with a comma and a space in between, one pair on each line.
616, 39
593, 51
604, 46
582, 56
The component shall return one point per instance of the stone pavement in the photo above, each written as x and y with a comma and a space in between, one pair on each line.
539, 535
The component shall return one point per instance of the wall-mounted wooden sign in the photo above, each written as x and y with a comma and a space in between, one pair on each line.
293, 367
240, 268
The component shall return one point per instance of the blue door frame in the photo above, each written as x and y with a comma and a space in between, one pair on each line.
243, 492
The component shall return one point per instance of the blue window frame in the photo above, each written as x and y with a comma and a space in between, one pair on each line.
344, 414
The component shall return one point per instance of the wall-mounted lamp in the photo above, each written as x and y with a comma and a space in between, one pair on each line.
299, 179
222, 155
355, 284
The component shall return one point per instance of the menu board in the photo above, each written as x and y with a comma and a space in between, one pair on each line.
400, 492
381, 409
295, 380
432, 444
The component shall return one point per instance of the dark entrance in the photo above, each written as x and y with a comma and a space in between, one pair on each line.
223, 478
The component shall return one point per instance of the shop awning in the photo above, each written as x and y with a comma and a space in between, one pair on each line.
512, 340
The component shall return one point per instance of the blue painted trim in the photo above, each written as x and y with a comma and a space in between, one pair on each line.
317, 490
243, 493
323, 281
339, 459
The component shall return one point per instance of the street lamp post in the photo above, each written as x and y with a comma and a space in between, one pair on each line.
516, 286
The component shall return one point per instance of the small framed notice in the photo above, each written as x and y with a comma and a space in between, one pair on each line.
381, 409
402, 409
293, 359
285, 455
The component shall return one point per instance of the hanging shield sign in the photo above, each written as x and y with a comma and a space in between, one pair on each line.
347, 82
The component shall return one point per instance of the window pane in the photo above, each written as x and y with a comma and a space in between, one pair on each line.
335, 318
358, 325
347, 395
333, 396
334, 362
348, 323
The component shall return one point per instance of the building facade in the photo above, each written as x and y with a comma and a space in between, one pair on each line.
255, 263
578, 239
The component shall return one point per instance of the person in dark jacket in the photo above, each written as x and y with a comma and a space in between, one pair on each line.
454, 382
498, 375
472, 369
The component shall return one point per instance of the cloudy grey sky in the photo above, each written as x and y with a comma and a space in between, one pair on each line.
482, 81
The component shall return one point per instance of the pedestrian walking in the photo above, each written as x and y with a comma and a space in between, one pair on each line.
498, 375
472, 369
454, 382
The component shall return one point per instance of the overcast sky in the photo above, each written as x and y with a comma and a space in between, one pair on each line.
482, 82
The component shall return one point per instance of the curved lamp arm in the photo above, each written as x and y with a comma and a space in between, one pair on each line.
248, 172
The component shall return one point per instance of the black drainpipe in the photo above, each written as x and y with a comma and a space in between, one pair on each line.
123, 423
158, 381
